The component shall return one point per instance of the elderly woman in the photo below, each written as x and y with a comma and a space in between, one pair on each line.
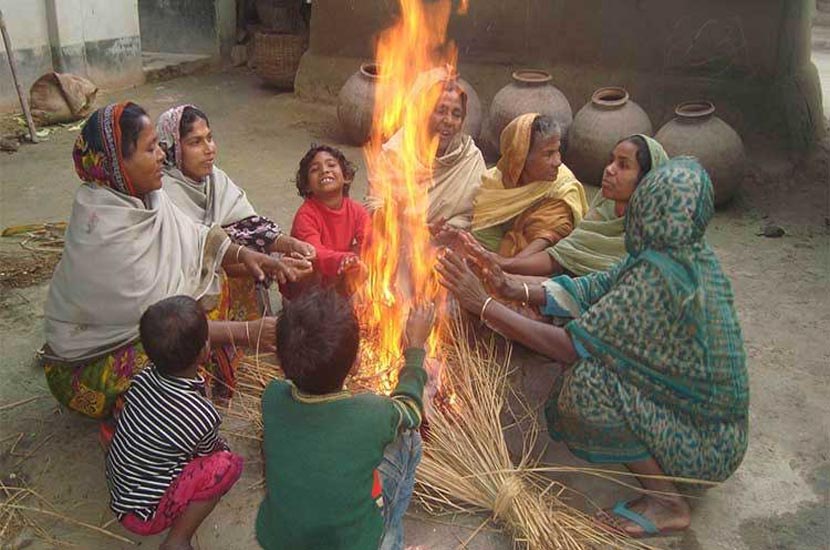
529, 200
127, 247
454, 176
655, 365
597, 242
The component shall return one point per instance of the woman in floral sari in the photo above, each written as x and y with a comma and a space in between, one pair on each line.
127, 247
655, 365
207, 195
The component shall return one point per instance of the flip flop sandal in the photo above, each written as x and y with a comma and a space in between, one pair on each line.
621, 510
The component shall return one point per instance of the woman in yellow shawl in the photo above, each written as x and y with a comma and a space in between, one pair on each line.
598, 242
529, 200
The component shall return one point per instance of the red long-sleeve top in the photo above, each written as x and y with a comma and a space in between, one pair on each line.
335, 234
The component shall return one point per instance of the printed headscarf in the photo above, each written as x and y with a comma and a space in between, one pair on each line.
97, 151
168, 128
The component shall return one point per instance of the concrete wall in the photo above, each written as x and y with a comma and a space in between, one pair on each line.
751, 57
95, 38
188, 26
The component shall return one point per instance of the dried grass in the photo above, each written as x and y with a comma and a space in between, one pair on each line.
467, 467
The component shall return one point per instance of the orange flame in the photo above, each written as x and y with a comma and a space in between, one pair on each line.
399, 257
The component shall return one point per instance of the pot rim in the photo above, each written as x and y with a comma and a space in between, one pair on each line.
532, 76
620, 96
698, 108
370, 70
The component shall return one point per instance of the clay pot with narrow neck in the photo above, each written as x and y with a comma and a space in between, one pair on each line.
530, 92
609, 117
696, 131
356, 102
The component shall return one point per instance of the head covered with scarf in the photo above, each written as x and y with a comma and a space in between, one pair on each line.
98, 151
168, 128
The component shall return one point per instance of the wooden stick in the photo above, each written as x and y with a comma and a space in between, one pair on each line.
21, 402
13, 64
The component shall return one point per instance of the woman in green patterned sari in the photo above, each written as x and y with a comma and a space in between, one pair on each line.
656, 375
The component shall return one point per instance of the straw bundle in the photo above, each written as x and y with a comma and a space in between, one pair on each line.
466, 465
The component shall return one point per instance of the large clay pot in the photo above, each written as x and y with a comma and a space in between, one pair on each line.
696, 131
609, 117
472, 122
530, 92
356, 102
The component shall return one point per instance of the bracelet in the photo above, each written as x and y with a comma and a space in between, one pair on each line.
247, 333
238, 251
527, 295
280, 234
484, 308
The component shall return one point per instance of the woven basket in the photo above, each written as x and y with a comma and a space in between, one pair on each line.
277, 57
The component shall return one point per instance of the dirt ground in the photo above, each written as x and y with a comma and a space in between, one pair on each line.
777, 500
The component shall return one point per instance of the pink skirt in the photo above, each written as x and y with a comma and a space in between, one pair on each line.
203, 478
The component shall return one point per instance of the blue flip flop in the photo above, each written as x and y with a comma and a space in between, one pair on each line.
621, 509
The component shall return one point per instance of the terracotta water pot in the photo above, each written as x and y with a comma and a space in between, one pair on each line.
356, 102
357, 98
696, 131
530, 92
472, 122
598, 126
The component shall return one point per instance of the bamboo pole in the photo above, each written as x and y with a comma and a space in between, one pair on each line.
13, 64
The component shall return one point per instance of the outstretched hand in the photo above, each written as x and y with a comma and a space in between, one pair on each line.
457, 277
283, 269
419, 325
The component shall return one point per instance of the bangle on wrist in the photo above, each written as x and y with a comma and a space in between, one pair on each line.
238, 252
527, 295
247, 332
484, 308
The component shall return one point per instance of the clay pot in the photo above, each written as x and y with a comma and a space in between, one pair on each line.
609, 117
472, 122
696, 131
356, 102
530, 92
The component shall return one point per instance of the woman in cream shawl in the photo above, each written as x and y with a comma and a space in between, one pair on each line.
529, 200
454, 176
127, 247
597, 242
205, 193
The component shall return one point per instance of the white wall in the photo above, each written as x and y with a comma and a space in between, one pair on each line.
109, 19
26, 23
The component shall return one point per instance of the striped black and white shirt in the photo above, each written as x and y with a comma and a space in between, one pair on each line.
165, 423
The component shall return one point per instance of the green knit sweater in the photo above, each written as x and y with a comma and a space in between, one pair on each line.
321, 455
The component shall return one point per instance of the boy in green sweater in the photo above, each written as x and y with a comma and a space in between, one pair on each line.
339, 467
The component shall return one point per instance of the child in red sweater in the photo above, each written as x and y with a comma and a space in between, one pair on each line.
328, 219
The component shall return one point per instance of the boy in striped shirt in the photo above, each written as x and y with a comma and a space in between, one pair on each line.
167, 467
339, 467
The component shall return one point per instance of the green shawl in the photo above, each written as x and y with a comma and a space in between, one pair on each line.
597, 243
663, 318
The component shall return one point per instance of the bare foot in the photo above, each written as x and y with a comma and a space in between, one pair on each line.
668, 514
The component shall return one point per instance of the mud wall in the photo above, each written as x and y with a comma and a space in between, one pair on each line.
751, 57
95, 38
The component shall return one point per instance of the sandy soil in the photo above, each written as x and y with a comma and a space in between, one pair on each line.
778, 499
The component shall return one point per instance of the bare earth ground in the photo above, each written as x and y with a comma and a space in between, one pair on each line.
778, 499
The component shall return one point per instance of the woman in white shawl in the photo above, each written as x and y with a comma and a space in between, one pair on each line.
454, 177
207, 195
127, 247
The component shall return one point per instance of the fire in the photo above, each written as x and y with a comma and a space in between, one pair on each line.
399, 257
